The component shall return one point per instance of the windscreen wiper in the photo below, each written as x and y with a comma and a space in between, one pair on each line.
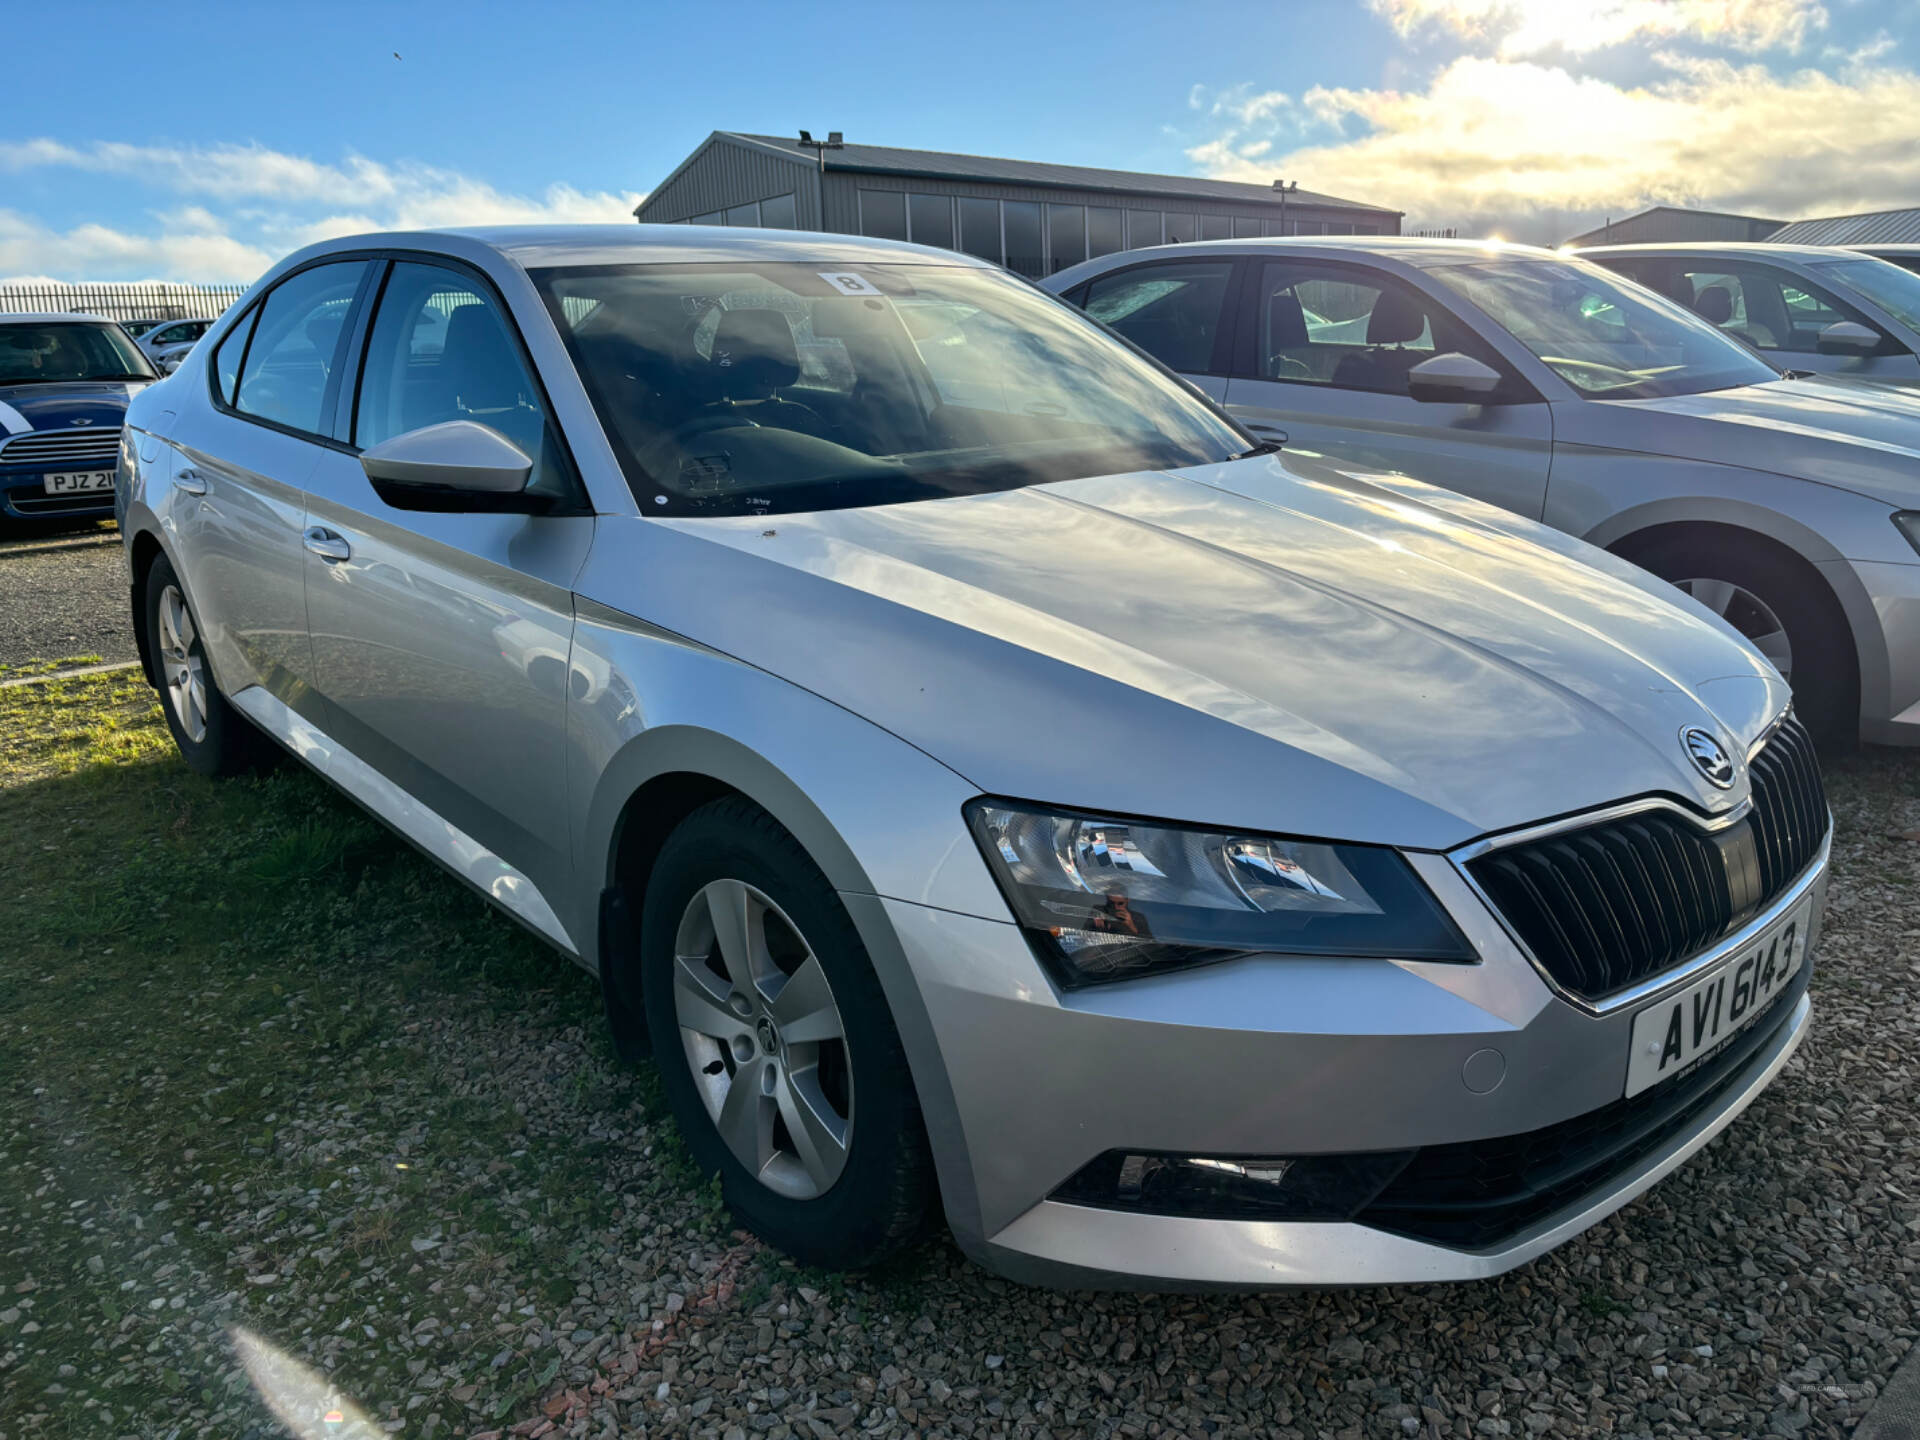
1265, 447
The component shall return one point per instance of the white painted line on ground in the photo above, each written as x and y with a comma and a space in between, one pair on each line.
73, 674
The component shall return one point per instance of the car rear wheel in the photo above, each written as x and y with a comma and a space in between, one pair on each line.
776, 1049
1787, 613
212, 736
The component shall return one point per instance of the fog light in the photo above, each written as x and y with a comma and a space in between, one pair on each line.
1297, 1187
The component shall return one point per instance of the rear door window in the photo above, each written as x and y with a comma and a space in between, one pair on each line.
1171, 311
291, 367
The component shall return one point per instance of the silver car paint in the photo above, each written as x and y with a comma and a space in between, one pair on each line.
1336, 645
1819, 465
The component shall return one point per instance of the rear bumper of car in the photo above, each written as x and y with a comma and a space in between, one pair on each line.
1460, 1066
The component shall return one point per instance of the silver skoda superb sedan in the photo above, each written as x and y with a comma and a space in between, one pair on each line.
985, 779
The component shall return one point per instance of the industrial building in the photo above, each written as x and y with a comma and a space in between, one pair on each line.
1033, 217
1879, 227
1674, 225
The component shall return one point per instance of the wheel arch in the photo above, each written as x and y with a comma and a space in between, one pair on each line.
1807, 552
142, 551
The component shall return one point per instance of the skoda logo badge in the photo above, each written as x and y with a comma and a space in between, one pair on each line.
1707, 755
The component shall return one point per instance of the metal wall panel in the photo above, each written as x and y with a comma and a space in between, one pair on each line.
724, 174
843, 213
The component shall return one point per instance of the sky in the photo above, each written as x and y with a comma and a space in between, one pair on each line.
229, 136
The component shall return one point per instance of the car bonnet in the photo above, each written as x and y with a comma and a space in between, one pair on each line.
1293, 649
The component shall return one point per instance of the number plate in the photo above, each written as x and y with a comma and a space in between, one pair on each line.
78, 482
1671, 1034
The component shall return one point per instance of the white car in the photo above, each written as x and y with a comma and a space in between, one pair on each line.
1552, 387
168, 343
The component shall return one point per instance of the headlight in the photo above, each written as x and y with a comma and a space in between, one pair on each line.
1908, 522
1108, 899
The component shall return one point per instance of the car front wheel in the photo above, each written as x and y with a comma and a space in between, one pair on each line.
1785, 611
776, 1049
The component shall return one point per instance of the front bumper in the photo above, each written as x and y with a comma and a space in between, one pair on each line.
23, 496
1023, 1085
1892, 717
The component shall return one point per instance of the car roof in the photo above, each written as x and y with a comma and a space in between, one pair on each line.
1733, 249
41, 317
532, 246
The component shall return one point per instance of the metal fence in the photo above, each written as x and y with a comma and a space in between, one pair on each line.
156, 301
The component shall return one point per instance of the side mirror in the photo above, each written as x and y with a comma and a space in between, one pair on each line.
456, 456
1452, 379
1848, 337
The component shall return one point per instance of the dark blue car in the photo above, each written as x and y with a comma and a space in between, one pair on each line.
64, 385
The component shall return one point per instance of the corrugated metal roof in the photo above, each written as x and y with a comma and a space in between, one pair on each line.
888, 160
1878, 228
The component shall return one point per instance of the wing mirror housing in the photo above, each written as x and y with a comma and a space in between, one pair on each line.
1848, 337
1453, 379
455, 465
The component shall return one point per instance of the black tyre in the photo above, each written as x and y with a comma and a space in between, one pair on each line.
1784, 608
776, 1048
213, 737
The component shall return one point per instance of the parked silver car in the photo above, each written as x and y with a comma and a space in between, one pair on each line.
1803, 307
1546, 385
983, 776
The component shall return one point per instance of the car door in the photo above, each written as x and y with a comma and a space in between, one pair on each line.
1322, 362
240, 461
441, 636
1172, 309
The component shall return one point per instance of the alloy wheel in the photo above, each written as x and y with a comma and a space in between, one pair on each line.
1748, 614
764, 1038
183, 664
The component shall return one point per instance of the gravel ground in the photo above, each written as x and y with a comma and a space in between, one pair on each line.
1766, 1289
64, 601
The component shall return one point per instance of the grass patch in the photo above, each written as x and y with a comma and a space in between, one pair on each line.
235, 1016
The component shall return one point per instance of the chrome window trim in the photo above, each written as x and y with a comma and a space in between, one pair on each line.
1680, 974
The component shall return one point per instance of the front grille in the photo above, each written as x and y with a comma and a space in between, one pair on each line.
1482, 1192
1789, 805
81, 448
1609, 905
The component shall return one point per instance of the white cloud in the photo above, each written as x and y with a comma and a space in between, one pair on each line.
1531, 27
1541, 152
29, 248
253, 204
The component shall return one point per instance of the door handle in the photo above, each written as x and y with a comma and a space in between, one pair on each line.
326, 544
191, 481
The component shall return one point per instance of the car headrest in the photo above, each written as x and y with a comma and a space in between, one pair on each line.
753, 353
480, 360
1396, 319
1715, 304
1286, 322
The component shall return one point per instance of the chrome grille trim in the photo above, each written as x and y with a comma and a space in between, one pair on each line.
83, 447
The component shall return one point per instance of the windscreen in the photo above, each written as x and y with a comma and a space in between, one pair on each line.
53, 350
1604, 336
761, 388
1893, 289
